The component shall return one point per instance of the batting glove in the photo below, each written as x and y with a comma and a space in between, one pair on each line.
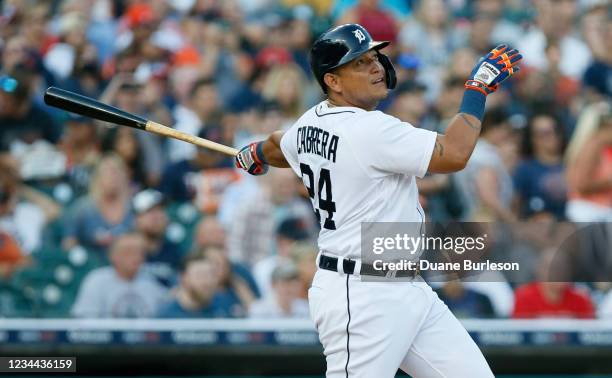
494, 68
251, 159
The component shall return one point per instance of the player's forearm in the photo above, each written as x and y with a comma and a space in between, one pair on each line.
462, 135
272, 151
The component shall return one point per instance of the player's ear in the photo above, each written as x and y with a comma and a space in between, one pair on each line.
332, 82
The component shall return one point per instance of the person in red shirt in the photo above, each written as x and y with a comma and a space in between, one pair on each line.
549, 299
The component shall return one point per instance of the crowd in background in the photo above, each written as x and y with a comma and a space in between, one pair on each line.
104, 221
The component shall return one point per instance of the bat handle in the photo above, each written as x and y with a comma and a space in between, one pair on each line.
166, 131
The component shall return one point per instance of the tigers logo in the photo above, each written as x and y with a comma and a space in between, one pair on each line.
359, 35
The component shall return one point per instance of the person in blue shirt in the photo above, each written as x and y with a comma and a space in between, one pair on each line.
164, 256
539, 179
197, 294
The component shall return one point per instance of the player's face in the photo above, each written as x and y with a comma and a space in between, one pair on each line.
362, 81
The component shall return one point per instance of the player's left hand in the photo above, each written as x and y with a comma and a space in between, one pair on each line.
250, 158
492, 69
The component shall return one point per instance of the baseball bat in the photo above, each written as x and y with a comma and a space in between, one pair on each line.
89, 107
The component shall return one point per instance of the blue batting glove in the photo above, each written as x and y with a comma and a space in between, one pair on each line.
251, 159
494, 68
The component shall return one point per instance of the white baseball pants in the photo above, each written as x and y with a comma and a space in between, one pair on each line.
370, 329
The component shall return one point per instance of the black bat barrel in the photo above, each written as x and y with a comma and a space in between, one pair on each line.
89, 107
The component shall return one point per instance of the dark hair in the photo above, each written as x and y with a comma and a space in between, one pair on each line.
24, 77
202, 82
137, 166
493, 118
527, 148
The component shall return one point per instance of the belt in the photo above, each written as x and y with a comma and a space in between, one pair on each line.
331, 263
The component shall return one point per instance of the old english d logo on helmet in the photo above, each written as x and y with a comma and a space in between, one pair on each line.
341, 45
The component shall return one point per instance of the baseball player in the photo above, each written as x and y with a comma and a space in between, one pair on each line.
359, 165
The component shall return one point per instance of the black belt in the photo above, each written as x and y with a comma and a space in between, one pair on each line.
331, 263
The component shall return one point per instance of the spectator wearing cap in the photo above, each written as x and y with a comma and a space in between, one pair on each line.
196, 295
202, 178
81, 146
284, 300
289, 232
96, 219
198, 111
122, 290
163, 257
23, 121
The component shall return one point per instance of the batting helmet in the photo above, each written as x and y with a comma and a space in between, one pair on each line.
342, 44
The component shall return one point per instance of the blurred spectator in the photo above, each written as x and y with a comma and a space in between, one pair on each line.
236, 287
202, 178
24, 211
502, 29
463, 302
122, 290
429, 34
81, 146
284, 301
289, 232
486, 182
163, 257
589, 167
380, 23
209, 233
410, 105
95, 220
196, 296
285, 85
11, 256
145, 149
72, 50
305, 256
122, 142
539, 179
23, 122
198, 112
549, 298
597, 23
251, 236
555, 20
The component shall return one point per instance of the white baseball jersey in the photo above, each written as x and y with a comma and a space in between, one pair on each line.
358, 166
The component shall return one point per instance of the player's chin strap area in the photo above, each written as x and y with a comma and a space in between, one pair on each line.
355, 267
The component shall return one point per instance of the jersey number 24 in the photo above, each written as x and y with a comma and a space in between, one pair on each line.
326, 203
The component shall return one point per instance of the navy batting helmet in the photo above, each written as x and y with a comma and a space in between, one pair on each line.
342, 44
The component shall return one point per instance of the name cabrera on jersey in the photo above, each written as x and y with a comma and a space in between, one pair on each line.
358, 166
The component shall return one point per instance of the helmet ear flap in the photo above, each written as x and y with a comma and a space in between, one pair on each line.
390, 76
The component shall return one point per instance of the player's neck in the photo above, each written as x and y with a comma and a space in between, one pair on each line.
341, 101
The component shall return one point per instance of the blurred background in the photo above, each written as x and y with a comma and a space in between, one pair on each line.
145, 255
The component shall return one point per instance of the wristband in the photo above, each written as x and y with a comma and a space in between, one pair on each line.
258, 152
473, 103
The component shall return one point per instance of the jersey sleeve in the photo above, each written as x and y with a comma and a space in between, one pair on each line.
388, 145
288, 146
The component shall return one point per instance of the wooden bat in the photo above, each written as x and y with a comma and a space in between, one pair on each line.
89, 107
